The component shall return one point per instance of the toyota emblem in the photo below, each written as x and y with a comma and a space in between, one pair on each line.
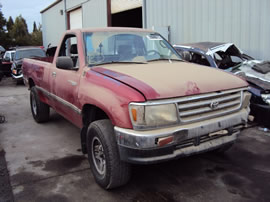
214, 104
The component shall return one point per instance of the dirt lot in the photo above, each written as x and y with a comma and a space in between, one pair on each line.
45, 164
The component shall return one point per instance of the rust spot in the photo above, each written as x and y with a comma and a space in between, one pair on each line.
192, 88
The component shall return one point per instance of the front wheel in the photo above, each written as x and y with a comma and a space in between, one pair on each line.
108, 170
40, 110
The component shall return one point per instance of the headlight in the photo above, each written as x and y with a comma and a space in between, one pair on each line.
152, 116
266, 98
13, 66
246, 99
14, 71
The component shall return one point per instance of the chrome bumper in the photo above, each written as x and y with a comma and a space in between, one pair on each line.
130, 140
17, 77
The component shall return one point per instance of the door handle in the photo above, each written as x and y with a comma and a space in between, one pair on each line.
54, 74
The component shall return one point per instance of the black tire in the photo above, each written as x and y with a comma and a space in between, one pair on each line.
19, 82
224, 148
115, 173
1, 76
40, 110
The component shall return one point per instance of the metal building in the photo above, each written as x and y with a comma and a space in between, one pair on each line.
243, 22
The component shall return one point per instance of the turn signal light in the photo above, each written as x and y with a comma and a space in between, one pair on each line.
164, 141
134, 114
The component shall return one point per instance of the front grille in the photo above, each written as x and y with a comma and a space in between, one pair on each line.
201, 107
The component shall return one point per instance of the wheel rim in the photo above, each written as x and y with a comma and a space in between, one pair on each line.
98, 156
34, 104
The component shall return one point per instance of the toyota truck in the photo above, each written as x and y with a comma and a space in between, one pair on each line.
135, 100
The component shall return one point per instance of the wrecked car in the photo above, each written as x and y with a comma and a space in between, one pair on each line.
7, 62
135, 100
20, 54
228, 57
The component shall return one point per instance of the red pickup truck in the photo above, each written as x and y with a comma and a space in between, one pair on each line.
135, 100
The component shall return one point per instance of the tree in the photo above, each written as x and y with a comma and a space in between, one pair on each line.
37, 36
19, 32
3, 22
16, 33
34, 27
10, 24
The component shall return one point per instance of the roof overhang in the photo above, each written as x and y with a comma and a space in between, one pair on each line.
50, 6
117, 6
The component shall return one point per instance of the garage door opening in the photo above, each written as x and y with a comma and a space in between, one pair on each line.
75, 18
125, 13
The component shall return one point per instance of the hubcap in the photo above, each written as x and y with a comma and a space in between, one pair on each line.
98, 156
34, 104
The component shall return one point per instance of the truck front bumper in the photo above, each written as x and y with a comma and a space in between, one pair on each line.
142, 147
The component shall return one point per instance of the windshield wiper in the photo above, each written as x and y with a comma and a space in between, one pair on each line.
165, 59
116, 62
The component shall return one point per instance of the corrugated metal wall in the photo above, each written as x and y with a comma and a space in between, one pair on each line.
243, 22
74, 3
95, 13
53, 25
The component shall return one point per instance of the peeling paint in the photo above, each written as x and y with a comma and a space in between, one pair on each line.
192, 88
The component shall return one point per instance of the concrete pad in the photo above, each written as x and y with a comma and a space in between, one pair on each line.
45, 164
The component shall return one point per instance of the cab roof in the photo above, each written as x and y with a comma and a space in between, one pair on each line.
111, 29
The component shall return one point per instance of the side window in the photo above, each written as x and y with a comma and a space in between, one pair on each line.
12, 55
199, 59
186, 55
69, 48
7, 57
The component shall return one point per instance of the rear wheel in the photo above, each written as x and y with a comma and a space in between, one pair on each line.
40, 110
108, 170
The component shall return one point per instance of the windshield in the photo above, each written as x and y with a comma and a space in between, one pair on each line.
133, 47
9, 55
12, 55
29, 53
229, 59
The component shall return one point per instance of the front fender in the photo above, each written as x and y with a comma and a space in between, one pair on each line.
112, 96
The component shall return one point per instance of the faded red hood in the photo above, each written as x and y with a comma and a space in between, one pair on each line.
157, 80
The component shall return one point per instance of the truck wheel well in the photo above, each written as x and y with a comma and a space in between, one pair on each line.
31, 83
90, 113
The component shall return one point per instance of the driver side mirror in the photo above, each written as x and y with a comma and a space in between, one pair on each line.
65, 62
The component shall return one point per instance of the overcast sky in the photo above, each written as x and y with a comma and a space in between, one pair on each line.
29, 9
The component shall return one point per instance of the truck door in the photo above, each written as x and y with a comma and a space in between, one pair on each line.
65, 82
